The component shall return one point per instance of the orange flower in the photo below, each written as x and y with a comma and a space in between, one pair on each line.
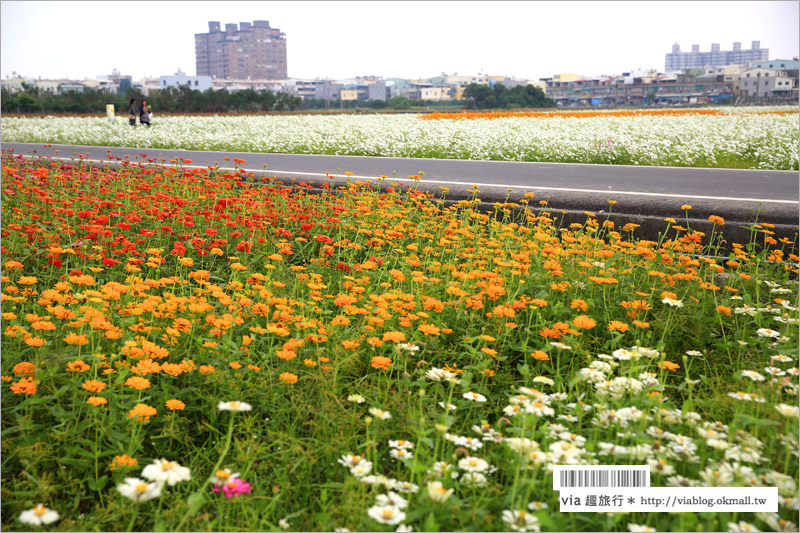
122, 461
550, 333
93, 385
429, 329
489, 351
723, 310
77, 366
96, 400
206, 369
288, 377
539, 355
175, 405
340, 321
616, 325
343, 300
381, 362
142, 412
173, 369
584, 322
393, 336
24, 368
236, 365
36, 342
716, 220
138, 383
579, 304
286, 354
146, 366
640, 324
668, 365
75, 339
24, 386
349, 345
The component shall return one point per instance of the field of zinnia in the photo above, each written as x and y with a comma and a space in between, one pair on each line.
761, 138
198, 350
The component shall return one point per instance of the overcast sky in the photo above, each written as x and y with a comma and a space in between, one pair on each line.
391, 39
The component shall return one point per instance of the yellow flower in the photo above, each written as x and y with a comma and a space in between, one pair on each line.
686, 207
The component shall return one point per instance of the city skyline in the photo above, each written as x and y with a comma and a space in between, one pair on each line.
528, 40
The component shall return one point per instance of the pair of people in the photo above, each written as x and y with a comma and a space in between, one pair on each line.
143, 111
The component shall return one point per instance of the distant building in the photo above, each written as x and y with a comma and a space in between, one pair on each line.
778, 64
180, 79
251, 51
761, 83
677, 60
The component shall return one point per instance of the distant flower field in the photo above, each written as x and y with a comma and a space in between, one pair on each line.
749, 138
187, 350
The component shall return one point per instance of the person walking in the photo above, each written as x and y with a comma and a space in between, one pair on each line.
144, 114
132, 112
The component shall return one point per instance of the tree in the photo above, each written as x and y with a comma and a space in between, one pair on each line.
400, 102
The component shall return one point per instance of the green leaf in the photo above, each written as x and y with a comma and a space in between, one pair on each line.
195, 502
431, 524
98, 484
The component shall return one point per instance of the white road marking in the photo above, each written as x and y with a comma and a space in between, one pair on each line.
469, 184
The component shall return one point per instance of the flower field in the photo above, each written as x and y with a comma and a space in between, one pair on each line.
763, 138
187, 349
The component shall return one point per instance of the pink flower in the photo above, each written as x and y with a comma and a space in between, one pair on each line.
234, 487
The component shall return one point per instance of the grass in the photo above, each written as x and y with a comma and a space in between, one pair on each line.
148, 284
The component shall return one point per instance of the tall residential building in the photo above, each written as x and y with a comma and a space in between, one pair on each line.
252, 51
678, 60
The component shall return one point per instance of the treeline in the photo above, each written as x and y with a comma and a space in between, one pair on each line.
169, 100
186, 100
501, 97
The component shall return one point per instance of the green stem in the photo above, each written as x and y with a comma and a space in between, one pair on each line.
202, 489
133, 518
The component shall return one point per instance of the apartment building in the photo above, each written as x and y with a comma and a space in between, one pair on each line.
251, 51
677, 60
766, 83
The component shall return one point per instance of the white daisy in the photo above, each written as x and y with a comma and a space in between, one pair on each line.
39, 515
234, 406
138, 490
169, 472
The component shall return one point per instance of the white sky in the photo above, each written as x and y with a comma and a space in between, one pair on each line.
391, 39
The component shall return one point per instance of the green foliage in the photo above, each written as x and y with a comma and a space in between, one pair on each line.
501, 97
169, 100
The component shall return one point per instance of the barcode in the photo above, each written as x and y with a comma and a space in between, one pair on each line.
603, 478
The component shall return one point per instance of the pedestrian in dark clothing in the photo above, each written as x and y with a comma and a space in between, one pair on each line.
132, 112
144, 114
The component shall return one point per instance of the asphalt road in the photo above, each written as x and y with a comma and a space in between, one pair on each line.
644, 194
